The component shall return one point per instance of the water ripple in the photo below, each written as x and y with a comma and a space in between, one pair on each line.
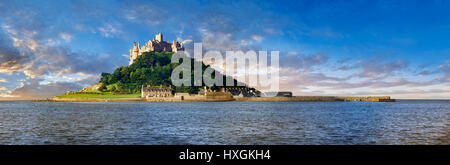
402, 122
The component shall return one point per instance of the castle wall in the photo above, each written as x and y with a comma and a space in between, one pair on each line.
157, 45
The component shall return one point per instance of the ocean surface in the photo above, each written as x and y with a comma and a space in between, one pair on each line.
298, 123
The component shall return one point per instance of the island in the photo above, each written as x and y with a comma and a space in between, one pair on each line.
148, 78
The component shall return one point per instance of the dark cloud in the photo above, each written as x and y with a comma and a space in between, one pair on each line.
10, 57
32, 28
39, 59
25, 33
61, 61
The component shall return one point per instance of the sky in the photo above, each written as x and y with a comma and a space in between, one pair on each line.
366, 47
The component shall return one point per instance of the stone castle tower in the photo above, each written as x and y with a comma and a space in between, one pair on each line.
159, 37
157, 45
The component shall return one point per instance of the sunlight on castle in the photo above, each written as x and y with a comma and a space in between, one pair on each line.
157, 45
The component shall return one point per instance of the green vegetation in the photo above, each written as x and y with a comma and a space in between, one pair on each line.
100, 95
150, 68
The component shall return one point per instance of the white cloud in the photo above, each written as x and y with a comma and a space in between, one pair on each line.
257, 38
65, 36
6, 95
110, 31
186, 42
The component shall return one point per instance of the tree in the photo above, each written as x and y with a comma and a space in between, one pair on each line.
150, 68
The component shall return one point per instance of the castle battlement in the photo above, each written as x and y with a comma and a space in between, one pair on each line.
157, 45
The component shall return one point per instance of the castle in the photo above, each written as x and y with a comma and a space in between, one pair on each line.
157, 45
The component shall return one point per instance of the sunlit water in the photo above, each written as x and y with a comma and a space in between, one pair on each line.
402, 122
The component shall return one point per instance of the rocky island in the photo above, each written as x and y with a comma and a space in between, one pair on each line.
148, 78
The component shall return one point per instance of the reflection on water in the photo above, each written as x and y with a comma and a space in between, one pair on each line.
402, 122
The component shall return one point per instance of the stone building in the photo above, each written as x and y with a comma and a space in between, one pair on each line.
149, 91
157, 45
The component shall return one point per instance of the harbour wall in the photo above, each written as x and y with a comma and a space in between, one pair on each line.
316, 98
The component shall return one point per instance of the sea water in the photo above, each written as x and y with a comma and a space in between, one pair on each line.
298, 123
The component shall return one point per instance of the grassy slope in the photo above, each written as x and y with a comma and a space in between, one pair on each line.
101, 96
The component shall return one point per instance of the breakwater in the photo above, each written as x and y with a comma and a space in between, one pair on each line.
317, 98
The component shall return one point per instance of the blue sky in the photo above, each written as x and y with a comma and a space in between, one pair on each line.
397, 48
